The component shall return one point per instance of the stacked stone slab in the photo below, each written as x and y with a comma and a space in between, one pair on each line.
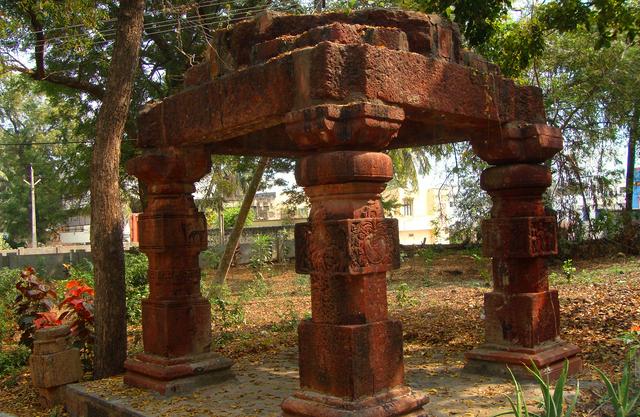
54, 363
336, 91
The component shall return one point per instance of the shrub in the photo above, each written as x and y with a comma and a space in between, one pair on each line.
211, 258
403, 298
137, 288
13, 360
35, 297
135, 275
8, 293
261, 255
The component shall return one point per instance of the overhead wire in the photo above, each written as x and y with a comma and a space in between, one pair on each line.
156, 24
55, 143
213, 18
207, 3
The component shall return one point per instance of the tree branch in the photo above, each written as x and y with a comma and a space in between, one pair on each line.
38, 31
93, 90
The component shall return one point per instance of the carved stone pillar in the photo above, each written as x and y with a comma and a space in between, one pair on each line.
522, 315
176, 319
350, 351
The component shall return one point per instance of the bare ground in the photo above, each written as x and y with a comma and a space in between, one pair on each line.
438, 297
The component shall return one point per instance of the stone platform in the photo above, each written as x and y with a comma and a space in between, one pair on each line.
260, 388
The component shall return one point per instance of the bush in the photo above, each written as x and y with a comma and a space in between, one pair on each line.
136, 266
261, 255
211, 257
8, 293
36, 297
13, 360
135, 275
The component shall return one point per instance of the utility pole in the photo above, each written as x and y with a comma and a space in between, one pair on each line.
32, 184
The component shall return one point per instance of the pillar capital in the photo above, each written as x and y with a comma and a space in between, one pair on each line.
162, 168
360, 125
520, 143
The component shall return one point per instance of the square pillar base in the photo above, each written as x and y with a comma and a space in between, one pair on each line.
397, 402
548, 357
350, 361
169, 376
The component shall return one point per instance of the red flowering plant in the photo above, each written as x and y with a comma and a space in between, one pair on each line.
34, 306
77, 311
37, 307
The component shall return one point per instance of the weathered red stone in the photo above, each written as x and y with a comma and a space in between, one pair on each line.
522, 316
336, 90
54, 363
176, 319
350, 351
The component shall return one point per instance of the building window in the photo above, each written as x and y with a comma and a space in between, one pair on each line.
407, 207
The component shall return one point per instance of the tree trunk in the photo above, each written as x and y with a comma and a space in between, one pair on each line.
631, 160
234, 237
106, 208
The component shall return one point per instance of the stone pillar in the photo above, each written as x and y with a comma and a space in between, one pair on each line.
350, 351
522, 315
54, 363
176, 319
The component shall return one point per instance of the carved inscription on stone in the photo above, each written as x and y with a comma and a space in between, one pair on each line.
355, 246
520, 237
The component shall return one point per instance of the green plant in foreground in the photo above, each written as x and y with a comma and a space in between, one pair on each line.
552, 403
403, 298
620, 395
568, 270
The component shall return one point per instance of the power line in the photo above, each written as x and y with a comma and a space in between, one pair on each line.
191, 23
152, 25
55, 143
207, 3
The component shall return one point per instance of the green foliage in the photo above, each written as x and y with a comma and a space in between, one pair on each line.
12, 360
81, 271
403, 297
476, 18
8, 279
288, 320
231, 216
608, 224
621, 395
303, 284
568, 270
514, 45
631, 338
211, 257
261, 256
27, 117
4, 245
427, 255
257, 288
470, 202
553, 402
137, 288
35, 299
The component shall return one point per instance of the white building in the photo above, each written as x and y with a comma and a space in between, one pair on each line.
422, 214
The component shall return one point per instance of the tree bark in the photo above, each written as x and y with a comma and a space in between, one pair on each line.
234, 237
106, 208
631, 160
